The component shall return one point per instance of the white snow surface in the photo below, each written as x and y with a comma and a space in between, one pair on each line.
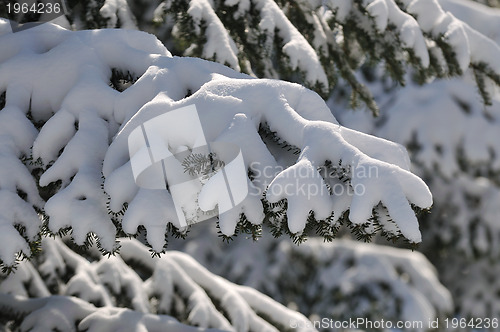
468, 44
412, 25
416, 116
460, 159
86, 119
471, 45
455, 139
221, 47
483, 19
302, 55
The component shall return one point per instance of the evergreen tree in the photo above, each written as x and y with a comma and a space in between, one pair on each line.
66, 170
323, 46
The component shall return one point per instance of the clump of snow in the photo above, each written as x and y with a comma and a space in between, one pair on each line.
319, 140
341, 8
485, 20
460, 163
73, 84
418, 17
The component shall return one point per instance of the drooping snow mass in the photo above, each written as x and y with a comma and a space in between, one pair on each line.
302, 55
469, 46
311, 42
299, 117
54, 78
133, 291
457, 102
411, 277
454, 142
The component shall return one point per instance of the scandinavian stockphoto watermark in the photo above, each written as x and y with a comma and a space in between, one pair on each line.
25, 14
359, 324
365, 324
332, 180
170, 151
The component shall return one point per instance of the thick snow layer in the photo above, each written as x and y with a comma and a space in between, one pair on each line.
468, 44
85, 125
320, 141
381, 265
341, 8
425, 110
416, 18
387, 11
97, 287
73, 83
272, 24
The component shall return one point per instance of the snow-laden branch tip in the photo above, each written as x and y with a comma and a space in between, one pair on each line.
417, 22
459, 163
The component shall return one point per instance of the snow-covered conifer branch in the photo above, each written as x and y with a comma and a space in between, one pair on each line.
461, 165
324, 41
343, 279
78, 143
315, 43
62, 290
262, 34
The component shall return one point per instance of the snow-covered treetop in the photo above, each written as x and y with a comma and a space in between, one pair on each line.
71, 99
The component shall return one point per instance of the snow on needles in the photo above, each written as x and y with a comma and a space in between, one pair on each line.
79, 120
220, 45
296, 47
90, 298
415, 18
468, 44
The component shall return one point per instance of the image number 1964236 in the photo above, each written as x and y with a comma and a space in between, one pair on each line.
25, 14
